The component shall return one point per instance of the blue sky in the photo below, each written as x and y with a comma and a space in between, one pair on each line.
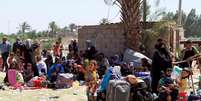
38, 13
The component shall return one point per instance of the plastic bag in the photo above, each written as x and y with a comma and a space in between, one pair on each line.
176, 72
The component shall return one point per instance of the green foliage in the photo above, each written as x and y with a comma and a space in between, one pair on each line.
150, 36
104, 21
65, 29
72, 27
53, 27
145, 10
47, 44
191, 22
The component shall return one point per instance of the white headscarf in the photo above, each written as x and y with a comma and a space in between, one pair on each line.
28, 43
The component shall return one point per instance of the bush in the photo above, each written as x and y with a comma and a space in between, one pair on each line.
47, 45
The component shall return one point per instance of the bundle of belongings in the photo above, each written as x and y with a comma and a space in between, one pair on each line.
2, 86
139, 89
135, 57
129, 88
114, 87
37, 82
64, 80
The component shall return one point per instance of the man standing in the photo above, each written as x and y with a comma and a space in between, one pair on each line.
188, 52
29, 56
5, 49
17, 49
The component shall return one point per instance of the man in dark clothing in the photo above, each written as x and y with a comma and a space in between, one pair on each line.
91, 53
75, 47
17, 47
161, 61
5, 49
29, 57
188, 52
70, 46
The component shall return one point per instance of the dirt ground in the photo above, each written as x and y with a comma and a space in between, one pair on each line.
71, 94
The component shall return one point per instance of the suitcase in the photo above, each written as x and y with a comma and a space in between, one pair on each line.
118, 90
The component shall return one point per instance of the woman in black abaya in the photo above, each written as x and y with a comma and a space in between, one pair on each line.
160, 62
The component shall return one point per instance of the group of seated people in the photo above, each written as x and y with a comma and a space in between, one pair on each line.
169, 88
92, 68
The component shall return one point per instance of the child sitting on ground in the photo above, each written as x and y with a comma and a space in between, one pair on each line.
18, 80
166, 88
91, 79
28, 73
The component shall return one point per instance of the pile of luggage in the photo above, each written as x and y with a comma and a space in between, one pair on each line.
115, 87
130, 88
64, 80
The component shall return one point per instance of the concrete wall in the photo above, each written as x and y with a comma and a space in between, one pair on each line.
108, 39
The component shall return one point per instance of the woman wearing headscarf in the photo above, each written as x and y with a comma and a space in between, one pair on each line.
161, 61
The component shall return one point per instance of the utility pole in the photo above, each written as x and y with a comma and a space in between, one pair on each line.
179, 34
144, 12
180, 14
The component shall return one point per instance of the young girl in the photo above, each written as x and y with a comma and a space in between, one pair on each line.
183, 80
14, 67
11, 59
91, 78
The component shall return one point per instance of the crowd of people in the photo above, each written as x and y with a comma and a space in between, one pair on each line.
93, 68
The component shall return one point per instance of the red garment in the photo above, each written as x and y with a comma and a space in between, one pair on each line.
57, 50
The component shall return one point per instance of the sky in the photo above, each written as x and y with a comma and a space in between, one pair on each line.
39, 13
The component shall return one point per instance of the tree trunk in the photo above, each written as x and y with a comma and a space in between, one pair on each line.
131, 19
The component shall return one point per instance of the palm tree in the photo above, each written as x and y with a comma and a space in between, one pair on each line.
24, 27
53, 27
130, 16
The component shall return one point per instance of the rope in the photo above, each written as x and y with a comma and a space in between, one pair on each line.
197, 56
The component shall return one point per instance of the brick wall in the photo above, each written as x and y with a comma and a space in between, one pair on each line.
108, 39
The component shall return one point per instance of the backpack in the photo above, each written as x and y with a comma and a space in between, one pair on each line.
140, 92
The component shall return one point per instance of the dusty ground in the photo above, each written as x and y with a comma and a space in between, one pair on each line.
72, 94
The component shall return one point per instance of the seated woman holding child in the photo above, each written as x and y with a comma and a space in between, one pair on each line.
167, 89
55, 70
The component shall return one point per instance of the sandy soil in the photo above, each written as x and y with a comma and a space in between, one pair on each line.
71, 94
